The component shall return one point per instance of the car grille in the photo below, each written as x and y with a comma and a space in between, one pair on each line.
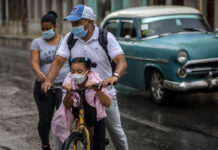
202, 67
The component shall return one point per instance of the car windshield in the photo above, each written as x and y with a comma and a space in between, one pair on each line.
173, 24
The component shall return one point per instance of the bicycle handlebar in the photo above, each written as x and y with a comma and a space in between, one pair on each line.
59, 87
79, 89
94, 86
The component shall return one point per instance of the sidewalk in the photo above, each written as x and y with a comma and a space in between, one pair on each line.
19, 41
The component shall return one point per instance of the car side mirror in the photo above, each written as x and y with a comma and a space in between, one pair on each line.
127, 37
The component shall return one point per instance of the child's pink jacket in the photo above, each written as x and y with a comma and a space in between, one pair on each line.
63, 118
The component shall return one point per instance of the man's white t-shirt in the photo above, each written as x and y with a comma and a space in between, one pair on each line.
94, 51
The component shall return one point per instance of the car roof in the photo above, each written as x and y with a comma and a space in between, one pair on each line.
150, 11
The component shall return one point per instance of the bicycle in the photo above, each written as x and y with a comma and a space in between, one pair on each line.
80, 137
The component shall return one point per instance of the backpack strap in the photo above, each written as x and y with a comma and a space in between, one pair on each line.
102, 39
71, 41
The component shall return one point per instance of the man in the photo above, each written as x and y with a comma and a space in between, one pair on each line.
87, 45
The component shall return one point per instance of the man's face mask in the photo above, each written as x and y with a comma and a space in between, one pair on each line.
78, 78
47, 35
79, 31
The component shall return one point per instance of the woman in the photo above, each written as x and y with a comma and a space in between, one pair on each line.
43, 50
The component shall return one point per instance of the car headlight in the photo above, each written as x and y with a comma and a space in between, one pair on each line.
181, 72
182, 57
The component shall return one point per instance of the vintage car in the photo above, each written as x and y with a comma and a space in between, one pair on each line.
168, 49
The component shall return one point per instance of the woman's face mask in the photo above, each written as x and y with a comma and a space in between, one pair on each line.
47, 35
78, 78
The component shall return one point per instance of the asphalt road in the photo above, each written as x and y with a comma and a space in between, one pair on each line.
189, 122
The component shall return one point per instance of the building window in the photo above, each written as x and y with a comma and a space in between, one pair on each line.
156, 2
3, 11
69, 6
210, 12
178, 2
104, 8
32, 9
39, 8
48, 4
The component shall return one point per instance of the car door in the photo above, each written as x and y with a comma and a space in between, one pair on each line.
126, 32
128, 37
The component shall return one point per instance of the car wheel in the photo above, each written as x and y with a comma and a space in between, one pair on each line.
159, 94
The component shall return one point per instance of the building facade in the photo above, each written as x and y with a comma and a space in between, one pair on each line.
209, 8
22, 17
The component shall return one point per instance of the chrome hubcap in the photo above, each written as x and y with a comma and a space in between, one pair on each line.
157, 86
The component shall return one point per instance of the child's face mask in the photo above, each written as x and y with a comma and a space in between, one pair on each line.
78, 78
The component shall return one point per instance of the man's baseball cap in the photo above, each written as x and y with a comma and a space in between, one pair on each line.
79, 12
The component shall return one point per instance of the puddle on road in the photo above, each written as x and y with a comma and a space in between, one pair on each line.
8, 90
4, 148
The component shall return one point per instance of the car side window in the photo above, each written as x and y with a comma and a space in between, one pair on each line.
128, 29
112, 26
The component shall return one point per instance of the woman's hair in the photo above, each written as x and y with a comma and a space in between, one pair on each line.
85, 60
51, 16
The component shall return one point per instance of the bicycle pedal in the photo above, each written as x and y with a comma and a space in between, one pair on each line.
107, 141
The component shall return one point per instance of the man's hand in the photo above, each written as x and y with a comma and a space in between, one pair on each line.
46, 86
68, 87
89, 85
110, 81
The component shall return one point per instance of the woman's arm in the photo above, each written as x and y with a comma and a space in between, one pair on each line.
35, 66
68, 102
104, 99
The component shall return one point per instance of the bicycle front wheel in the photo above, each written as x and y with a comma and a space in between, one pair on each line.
77, 141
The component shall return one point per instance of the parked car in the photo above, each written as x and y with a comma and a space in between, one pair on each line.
168, 49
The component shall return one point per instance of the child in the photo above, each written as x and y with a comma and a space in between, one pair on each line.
79, 77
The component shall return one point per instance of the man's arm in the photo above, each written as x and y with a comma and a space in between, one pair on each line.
53, 72
55, 68
121, 66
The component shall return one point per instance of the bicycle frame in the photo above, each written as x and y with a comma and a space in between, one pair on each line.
80, 129
81, 133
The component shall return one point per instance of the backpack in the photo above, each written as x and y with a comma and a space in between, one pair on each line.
102, 39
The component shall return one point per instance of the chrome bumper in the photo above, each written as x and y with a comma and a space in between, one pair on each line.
186, 86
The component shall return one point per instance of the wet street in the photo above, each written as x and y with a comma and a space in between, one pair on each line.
189, 122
